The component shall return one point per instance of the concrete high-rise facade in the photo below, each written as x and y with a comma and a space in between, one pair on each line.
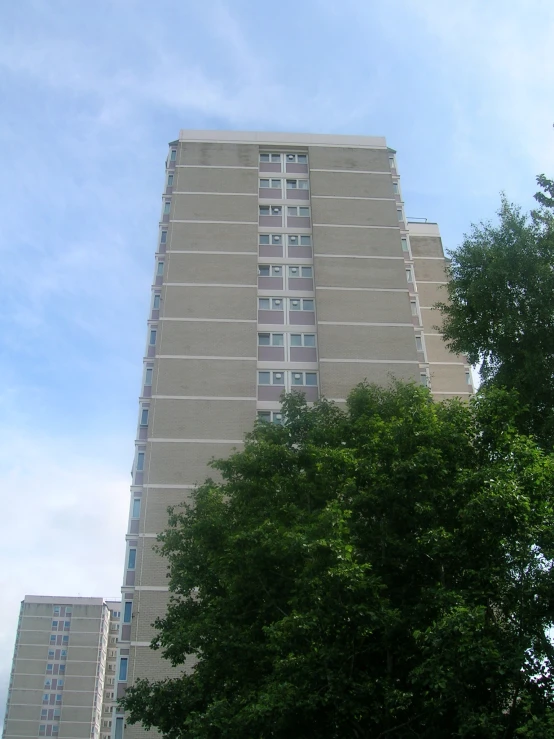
64, 668
284, 261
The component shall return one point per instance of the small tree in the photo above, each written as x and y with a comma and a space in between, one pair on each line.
500, 308
380, 572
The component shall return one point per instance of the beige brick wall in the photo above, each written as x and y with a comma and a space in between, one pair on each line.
74, 729
426, 246
429, 294
429, 269
352, 184
371, 160
448, 378
338, 379
214, 207
213, 377
155, 502
184, 464
200, 340
84, 640
355, 212
211, 269
201, 419
437, 351
362, 306
337, 272
22, 728
367, 342
212, 237
147, 606
218, 154
210, 302
357, 241
218, 179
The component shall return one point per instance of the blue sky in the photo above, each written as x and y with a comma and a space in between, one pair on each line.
91, 93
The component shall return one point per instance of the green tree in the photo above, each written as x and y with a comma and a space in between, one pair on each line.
383, 571
500, 307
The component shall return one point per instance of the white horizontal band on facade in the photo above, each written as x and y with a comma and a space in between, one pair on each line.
214, 166
189, 356
365, 289
184, 192
357, 197
354, 171
163, 486
431, 282
296, 366
451, 392
153, 588
140, 643
355, 256
350, 225
369, 361
363, 323
218, 253
457, 364
210, 320
146, 536
201, 397
225, 223
208, 284
440, 259
196, 441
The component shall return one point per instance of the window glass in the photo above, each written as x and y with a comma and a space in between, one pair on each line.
297, 378
123, 668
276, 304
296, 339
295, 305
423, 379
468, 378
278, 418
292, 184
264, 183
152, 336
419, 343
306, 240
264, 157
309, 339
264, 239
264, 378
276, 239
135, 513
303, 211
395, 187
173, 156
167, 206
264, 339
413, 305
306, 271
144, 417
302, 159
278, 378
163, 239
160, 269
263, 270
303, 184
148, 376
156, 303
264, 416
277, 340
311, 378
404, 244
409, 275
276, 210
140, 461
56, 610
264, 210
275, 157
132, 559
170, 180
308, 305
263, 303
400, 216
276, 184
127, 611
294, 271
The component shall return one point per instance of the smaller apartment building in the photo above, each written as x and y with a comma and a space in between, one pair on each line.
63, 671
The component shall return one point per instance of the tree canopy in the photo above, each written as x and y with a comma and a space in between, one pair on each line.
379, 571
500, 307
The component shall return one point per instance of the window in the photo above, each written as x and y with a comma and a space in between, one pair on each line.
57, 712
65, 639
270, 340
160, 269
409, 274
60, 684
167, 206
302, 211
62, 669
173, 155
140, 461
68, 611
274, 210
298, 158
132, 559
144, 417
66, 625
127, 612
270, 158
54, 624
300, 272
47, 683
42, 730
170, 180
45, 697
395, 187
55, 729
271, 378
148, 376
51, 654
391, 161
298, 185
52, 638
423, 379
419, 343
152, 337
271, 417
304, 378
270, 304
413, 305
118, 728
275, 184
265, 270
468, 378
163, 238
59, 698
266, 239
295, 240
405, 244
302, 304
135, 511
302, 340
43, 712
400, 214
156, 303
56, 610
123, 668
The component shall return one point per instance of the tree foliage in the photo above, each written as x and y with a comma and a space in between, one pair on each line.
383, 571
500, 307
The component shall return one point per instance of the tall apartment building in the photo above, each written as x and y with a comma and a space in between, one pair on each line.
284, 261
64, 668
